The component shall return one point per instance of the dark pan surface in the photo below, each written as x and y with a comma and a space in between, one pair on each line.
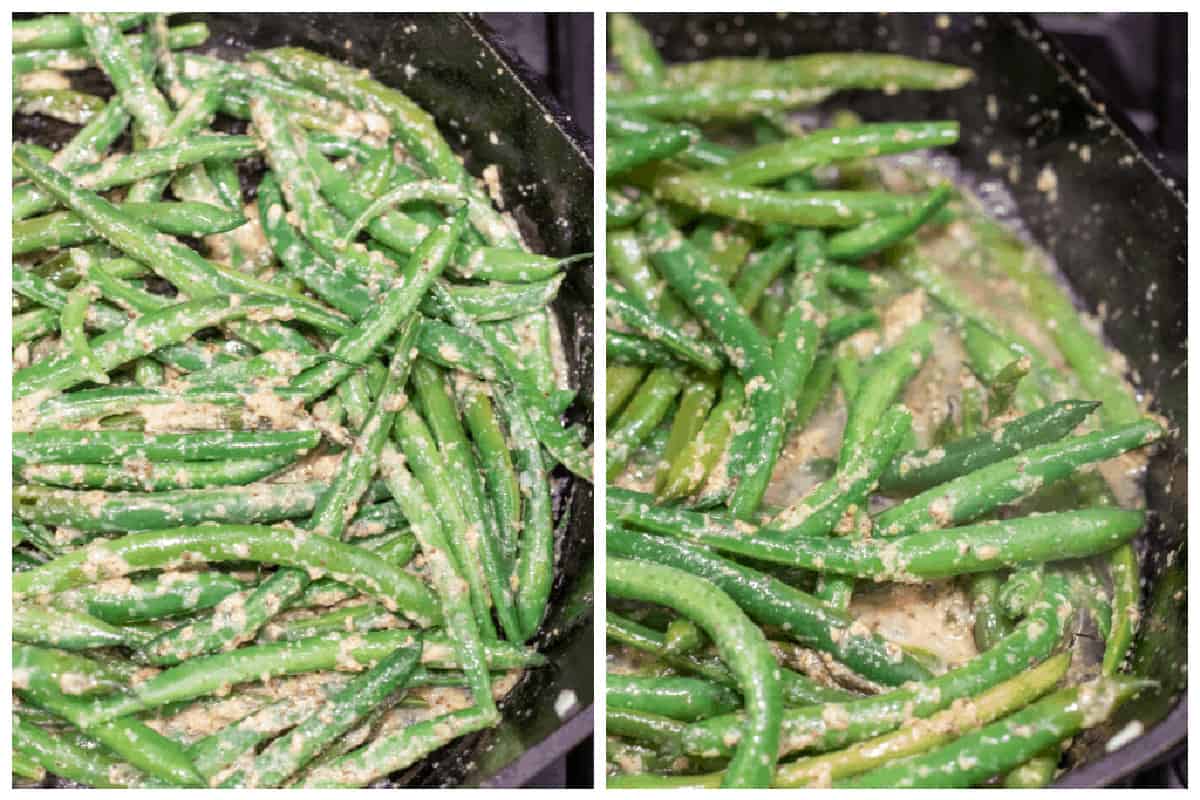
1117, 228
492, 112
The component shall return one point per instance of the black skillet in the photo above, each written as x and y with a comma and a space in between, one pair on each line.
1118, 231
492, 112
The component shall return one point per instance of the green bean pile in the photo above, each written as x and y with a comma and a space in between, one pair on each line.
834, 385
281, 507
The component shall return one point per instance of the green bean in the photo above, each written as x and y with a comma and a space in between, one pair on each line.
168, 594
1092, 364
682, 636
630, 349
1037, 772
699, 457
797, 689
841, 328
398, 750
351, 619
824, 728
657, 730
101, 512
706, 103
213, 753
621, 305
771, 162
1010, 742
65, 759
65, 105
464, 473
1127, 591
833, 70
896, 367
823, 508
450, 194
61, 30
143, 336
795, 348
700, 155
338, 504
495, 302
695, 402
1003, 388
760, 271
628, 261
402, 233
33, 325
976, 493
634, 51
742, 647
708, 298
114, 447
848, 278
639, 419
234, 620
63, 671
195, 111
878, 234
412, 125
990, 624
535, 565
772, 602
496, 460
208, 674
26, 768
910, 559
620, 382
455, 593
270, 366
940, 729
1052, 383
339, 290
430, 471
291, 752
88, 144
924, 469
126, 737
627, 153
382, 318
622, 211
298, 181
65, 229
69, 630
74, 338
816, 209
165, 549
143, 101
563, 443
178, 264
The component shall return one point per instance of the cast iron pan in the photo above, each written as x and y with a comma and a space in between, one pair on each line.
1118, 230
492, 112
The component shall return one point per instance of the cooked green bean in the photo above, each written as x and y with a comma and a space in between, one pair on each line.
742, 647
